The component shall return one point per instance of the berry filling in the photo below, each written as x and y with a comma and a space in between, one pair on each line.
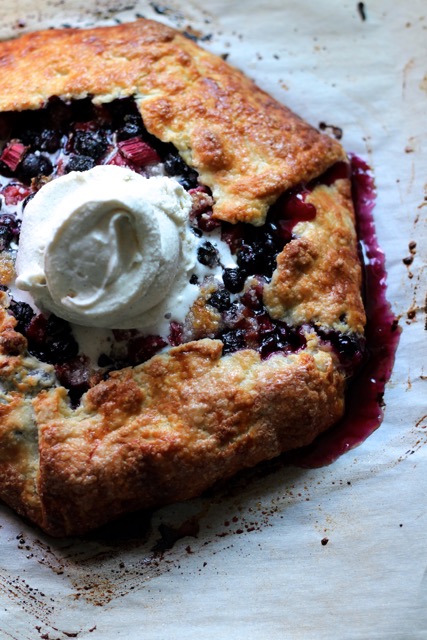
233, 262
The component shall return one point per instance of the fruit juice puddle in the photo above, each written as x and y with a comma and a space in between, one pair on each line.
364, 403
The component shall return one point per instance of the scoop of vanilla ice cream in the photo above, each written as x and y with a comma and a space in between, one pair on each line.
104, 247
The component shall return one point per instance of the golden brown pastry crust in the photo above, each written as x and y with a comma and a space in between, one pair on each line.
246, 146
168, 429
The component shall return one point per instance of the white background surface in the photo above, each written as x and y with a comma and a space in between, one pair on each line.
257, 568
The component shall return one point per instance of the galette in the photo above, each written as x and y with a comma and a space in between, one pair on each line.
180, 280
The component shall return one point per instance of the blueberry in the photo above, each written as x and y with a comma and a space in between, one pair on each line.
50, 140
175, 166
232, 340
79, 163
42, 139
274, 341
34, 165
348, 346
233, 279
90, 143
207, 254
220, 299
132, 128
249, 259
189, 182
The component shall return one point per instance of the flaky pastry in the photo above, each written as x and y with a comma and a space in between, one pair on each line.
220, 397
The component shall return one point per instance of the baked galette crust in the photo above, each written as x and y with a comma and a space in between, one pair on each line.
168, 429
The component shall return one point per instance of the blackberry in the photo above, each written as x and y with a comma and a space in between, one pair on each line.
220, 299
90, 143
34, 165
23, 314
259, 257
79, 163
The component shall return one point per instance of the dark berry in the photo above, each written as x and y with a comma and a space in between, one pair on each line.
233, 235
37, 329
142, 348
278, 340
206, 221
42, 139
233, 340
57, 326
90, 143
132, 128
23, 313
220, 299
49, 140
253, 297
175, 334
75, 376
194, 279
188, 181
79, 163
249, 259
9, 230
175, 166
207, 254
259, 257
233, 279
34, 165
59, 351
351, 350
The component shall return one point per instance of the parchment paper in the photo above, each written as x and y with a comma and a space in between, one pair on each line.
253, 564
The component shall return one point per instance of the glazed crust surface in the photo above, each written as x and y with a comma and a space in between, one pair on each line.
170, 428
